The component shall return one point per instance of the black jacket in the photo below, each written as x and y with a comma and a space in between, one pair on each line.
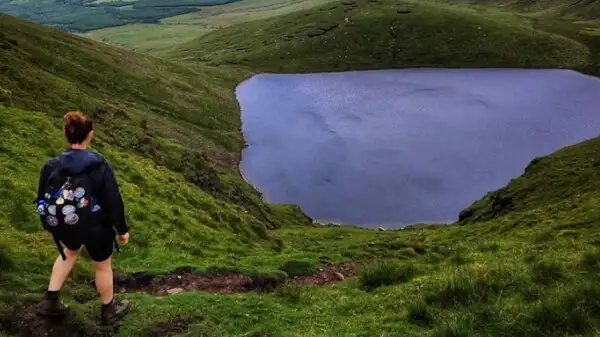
103, 180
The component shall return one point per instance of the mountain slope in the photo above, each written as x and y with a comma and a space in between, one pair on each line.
184, 118
172, 136
382, 34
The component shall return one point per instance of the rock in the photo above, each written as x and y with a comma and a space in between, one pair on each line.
174, 291
403, 11
381, 229
339, 276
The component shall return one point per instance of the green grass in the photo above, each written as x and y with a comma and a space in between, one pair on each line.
154, 39
385, 274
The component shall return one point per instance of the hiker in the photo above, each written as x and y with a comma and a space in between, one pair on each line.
90, 218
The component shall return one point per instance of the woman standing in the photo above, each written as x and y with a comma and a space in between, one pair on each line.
80, 204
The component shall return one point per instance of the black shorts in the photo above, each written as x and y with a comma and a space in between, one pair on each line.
99, 248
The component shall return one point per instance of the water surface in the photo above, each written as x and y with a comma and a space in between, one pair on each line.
405, 146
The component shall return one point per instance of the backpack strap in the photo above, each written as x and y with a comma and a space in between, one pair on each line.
60, 247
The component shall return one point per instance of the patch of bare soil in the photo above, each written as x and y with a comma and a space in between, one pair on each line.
185, 279
334, 273
26, 322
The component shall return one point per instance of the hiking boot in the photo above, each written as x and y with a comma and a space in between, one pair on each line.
52, 307
114, 311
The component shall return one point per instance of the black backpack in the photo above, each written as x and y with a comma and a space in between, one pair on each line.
67, 209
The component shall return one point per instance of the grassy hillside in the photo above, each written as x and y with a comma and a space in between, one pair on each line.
562, 180
530, 273
171, 132
183, 118
151, 39
160, 38
365, 34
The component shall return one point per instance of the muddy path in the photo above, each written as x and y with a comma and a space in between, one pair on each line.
24, 321
185, 279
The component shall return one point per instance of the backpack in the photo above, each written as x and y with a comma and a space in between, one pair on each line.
68, 208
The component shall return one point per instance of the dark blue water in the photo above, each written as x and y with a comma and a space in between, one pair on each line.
405, 146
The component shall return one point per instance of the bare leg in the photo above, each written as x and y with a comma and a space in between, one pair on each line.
104, 280
62, 269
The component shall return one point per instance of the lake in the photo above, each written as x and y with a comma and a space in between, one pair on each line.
392, 148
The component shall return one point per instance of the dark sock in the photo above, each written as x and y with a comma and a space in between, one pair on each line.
105, 306
53, 295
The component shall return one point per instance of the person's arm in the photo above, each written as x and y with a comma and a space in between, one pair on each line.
112, 205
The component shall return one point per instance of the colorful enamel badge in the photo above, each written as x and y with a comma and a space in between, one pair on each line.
51, 220
83, 203
71, 219
79, 192
68, 209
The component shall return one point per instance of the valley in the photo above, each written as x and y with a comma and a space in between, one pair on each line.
520, 260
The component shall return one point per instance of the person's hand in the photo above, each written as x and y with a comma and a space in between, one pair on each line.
124, 238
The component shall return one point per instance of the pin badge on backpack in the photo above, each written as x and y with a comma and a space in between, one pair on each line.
71, 219
82, 203
52, 209
79, 192
60, 201
68, 209
51, 220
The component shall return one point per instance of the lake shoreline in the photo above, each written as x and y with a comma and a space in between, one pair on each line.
355, 120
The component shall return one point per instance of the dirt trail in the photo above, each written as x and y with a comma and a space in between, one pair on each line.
25, 321
186, 279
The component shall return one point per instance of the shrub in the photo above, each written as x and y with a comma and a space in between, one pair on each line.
6, 263
591, 260
298, 268
546, 272
419, 314
386, 273
292, 292
471, 288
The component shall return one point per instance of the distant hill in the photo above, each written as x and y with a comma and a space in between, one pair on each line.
580, 9
361, 34
84, 15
